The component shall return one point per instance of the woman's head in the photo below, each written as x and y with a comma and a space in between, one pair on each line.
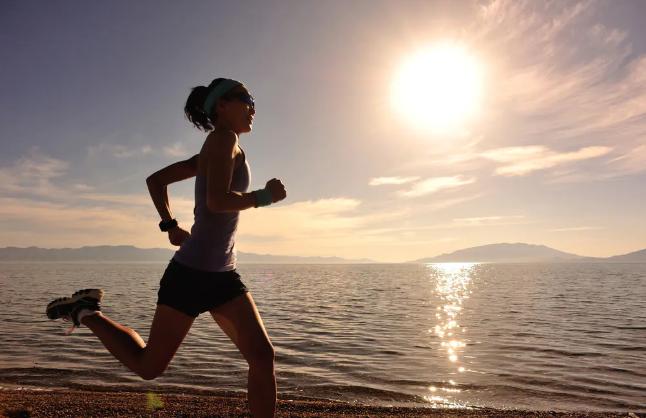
224, 102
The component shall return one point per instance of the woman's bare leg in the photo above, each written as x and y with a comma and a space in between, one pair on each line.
167, 332
240, 320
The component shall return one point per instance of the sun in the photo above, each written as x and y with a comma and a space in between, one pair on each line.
439, 88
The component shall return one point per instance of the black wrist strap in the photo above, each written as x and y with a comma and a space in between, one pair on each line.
165, 226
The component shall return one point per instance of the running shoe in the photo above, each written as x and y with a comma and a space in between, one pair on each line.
68, 308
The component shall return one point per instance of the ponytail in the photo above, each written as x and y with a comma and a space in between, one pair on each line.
194, 109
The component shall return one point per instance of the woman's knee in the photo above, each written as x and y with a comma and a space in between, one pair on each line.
261, 355
151, 373
151, 369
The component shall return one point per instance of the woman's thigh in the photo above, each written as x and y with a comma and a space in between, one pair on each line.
240, 320
168, 330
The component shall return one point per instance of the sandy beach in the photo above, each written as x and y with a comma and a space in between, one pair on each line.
66, 403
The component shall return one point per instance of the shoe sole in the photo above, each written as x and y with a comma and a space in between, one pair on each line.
52, 313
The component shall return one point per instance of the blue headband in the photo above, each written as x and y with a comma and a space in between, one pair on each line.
218, 91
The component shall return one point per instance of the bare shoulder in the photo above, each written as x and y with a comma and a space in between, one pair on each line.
221, 143
219, 147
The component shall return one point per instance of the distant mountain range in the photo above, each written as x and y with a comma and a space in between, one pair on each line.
492, 253
128, 253
525, 253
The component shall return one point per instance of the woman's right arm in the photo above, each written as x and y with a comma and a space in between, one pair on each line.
157, 183
219, 172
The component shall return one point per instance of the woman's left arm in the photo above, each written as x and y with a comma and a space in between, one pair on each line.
157, 183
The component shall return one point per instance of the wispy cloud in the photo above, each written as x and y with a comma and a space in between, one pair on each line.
304, 218
118, 150
524, 160
436, 184
518, 161
40, 203
566, 78
33, 174
447, 203
399, 232
629, 162
332, 226
47, 224
577, 229
102, 149
40, 176
178, 149
633, 161
489, 220
82, 187
86, 220
379, 181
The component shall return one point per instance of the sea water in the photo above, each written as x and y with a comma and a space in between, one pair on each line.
528, 336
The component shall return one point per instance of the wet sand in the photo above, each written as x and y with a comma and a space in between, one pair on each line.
74, 403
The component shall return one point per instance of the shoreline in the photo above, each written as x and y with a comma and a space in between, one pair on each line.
83, 403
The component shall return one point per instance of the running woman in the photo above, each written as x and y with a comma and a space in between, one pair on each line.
201, 276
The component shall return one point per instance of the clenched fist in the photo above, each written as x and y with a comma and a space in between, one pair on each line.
277, 190
177, 235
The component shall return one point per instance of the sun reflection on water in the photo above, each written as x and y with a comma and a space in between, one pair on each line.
452, 288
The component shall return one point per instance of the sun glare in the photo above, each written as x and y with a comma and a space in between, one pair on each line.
439, 88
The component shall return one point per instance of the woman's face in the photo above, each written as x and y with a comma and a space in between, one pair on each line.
237, 111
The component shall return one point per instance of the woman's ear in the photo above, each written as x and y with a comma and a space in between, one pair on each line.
220, 106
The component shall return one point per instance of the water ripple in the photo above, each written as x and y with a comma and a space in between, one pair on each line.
524, 336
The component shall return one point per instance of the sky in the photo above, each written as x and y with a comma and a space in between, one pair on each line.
92, 96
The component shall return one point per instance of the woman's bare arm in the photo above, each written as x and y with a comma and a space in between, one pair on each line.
219, 172
158, 181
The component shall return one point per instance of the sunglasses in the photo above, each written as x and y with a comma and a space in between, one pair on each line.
243, 97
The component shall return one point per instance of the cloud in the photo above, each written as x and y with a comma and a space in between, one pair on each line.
577, 229
39, 207
178, 149
118, 150
632, 162
436, 184
379, 181
87, 219
33, 173
82, 187
42, 177
629, 162
489, 220
304, 218
123, 199
109, 146
608, 36
332, 226
395, 234
54, 211
519, 161
446, 203
28, 222
565, 78
524, 160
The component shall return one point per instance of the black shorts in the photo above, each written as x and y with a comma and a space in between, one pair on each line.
195, 291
